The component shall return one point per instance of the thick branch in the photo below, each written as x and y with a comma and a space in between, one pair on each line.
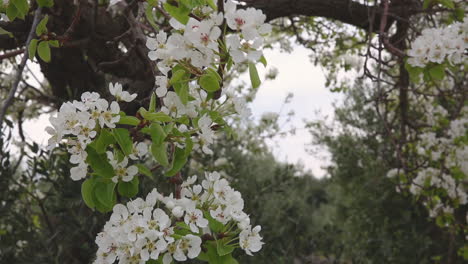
345, 11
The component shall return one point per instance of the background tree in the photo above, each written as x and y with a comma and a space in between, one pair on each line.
358, 216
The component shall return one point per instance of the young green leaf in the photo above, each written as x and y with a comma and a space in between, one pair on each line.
87, 188
182, 90
43, 50
159, 116
54, 43
209, 82
160, 153
105, 194
414, 72
447, 3
22, 6
144, 170
158, 135
4, 32
254, 78
45, 3
178, 76
128, 189
263, 61
105, 139
12, 12
122, 136
215, 74
32, 48
437, 72
150, 16
129, 120
152, 106
180, 13
42, 26
213, 223
178, 161
222, 248
99, 163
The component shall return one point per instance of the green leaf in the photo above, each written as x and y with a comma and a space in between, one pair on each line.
178, 161
129, 120
158, 135
182, 90
229, 64
180, 13
32, 48
153, 2
209, 82
87, 188
178, 76
213, 223
4, 32
222, 248
459, 14
188, 146
54, 43
144, 170
99, 163
254, 78
215, 74
427, 3
150, 16
105, 194
183, 225
212, 256
44, 51
12, 12
212, 4
160, 154
122, 136
414, 72
42, 26
22, 6
152, 106
45, 3
447, 3
105, 139
263, 61
159, 116
129, 189
192, 3
437, 72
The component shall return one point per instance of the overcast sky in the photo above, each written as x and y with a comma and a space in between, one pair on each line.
307, 82
296, 75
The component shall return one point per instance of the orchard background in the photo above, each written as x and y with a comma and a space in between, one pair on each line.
144, 94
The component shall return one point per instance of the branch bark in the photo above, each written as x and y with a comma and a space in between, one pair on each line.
9, 100
346, 11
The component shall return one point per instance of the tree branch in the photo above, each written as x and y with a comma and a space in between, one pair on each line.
346, 11
9, 100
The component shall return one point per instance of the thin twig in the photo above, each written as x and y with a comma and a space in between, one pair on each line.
10, 54
9, 100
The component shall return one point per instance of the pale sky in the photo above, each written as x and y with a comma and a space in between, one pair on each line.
296, 75
299, 76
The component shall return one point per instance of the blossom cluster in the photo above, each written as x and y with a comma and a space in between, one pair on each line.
165, 228
78, 123
199, 47
439, 44
445, 159
197, 43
